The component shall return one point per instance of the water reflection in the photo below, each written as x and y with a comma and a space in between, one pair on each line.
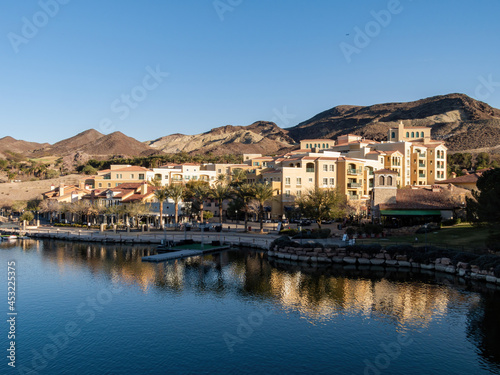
405, 298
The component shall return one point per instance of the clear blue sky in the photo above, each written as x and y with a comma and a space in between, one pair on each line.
245, 61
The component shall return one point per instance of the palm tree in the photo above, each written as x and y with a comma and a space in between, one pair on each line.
200, 192
220, 193
245, 193
176, 192
221, 179
161, 195
263, 193
238, 177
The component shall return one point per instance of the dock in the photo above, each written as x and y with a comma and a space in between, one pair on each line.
180, 254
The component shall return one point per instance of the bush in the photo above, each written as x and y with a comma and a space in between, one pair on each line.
28, 216
289, 232
282, 242
485, 262
493, 242
350, 231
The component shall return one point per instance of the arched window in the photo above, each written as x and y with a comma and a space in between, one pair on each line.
407, 134
291, 165
307, 145
381, 180
422, 134
389, 180
298, 165
413, 134
323, 145
327, 145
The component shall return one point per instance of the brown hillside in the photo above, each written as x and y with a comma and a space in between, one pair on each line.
259, 137
18, 146
458, 119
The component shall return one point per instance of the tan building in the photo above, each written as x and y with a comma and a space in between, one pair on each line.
119, 174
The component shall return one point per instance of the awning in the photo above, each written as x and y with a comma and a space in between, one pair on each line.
410, 212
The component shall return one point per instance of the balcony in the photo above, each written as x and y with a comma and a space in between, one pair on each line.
354, 197
420, 155
310, 170
354, 185
421, 165
370, 173
354, 172
421, 175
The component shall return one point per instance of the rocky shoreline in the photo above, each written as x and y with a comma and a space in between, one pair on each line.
383, 259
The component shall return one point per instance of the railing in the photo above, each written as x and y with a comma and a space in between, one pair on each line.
420, 155
309, 169
354, 184
370, 173
354, 197
421, 175
421, 165
354, 171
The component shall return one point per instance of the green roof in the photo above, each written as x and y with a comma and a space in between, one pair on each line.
410, 212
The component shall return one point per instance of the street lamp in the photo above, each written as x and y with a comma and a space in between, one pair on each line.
237, 220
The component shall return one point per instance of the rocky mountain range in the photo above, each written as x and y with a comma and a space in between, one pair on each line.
463, 123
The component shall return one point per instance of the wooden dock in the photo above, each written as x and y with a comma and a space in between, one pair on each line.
180, 254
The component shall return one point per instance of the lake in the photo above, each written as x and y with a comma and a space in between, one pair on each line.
94, 309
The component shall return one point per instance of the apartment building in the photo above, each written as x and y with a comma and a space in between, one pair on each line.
121, 173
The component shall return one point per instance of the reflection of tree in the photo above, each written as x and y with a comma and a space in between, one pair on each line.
484, 327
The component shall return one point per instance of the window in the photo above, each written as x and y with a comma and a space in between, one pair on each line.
393, 135
299, 193
307, 145
325, 168
332, 181
332, 167
299, 181
141, 176
132, 176
109, 184
287, 180
389, 180
407, 134
287, 193
422, 134
310, 180
413, 134
381, 180
327, 145
100, 185
325, 181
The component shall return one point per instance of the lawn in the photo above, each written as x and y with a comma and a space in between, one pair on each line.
462, 236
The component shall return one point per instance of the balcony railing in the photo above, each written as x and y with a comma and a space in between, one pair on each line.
421, 175
309, 169
420, 155
354, 197
370, 173
421, 165
354, 171
354, 185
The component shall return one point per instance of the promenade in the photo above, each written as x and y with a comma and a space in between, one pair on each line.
230, 234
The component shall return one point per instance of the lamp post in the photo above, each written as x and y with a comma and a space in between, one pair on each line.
237, 220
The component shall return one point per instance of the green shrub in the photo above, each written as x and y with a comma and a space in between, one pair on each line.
282, 242
289, 232
493, 242
485, 262
370, 249
350, 231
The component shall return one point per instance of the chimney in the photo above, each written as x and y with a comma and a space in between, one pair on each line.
61, 189
144, 188
52, 187
453, 175
81, 185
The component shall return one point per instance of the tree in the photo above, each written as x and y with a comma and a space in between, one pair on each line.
322, 204
162, 196
49, 206
19, 206
484, 207
208, 215
137, 210
245, 192
262, 193
238, 177
28, 216
176, 193
89, 170
199, 191
220, 193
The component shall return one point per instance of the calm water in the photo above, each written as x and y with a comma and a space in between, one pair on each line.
238, 313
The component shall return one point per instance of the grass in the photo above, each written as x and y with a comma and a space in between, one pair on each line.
462, 236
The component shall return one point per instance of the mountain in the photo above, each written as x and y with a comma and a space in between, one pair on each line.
464, 123
9, 144
259, 137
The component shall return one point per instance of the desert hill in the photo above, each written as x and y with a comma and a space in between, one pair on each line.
9, 144
259, 137
464, 123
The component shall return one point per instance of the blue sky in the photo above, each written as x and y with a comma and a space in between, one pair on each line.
69, 67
